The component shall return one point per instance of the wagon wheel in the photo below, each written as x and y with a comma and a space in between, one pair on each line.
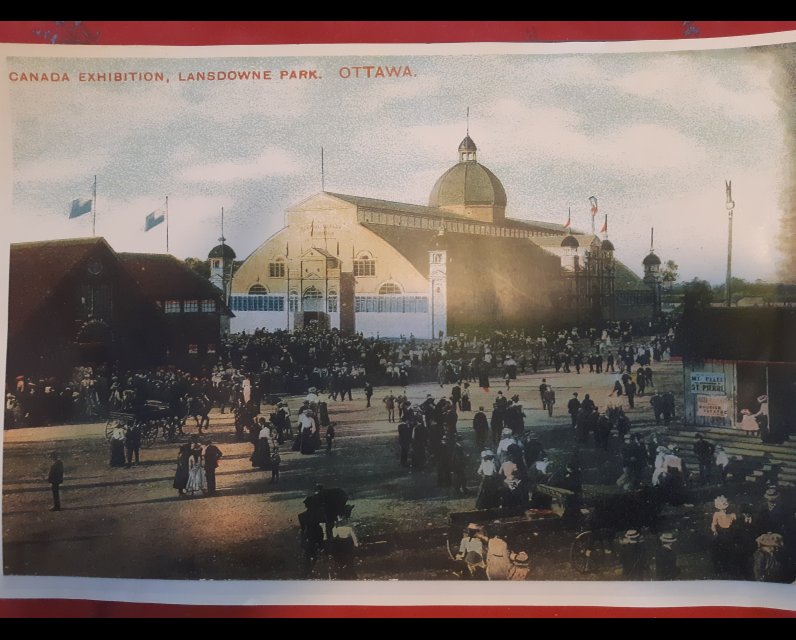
149, 433
582, 551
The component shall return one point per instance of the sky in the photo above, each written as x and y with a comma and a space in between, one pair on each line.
653, 136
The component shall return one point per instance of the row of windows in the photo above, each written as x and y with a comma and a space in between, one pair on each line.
388, 288
189, 306
259, 302
363, 267
391, 304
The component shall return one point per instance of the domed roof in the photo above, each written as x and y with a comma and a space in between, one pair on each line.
607, 245
222, 251
467, 144
570, 241
651, 259
467, 183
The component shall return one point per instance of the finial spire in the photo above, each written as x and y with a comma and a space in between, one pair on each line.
652, 238
468, 120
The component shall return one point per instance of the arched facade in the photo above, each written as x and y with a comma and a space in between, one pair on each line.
389, 268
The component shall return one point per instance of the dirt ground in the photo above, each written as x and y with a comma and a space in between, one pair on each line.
129, 523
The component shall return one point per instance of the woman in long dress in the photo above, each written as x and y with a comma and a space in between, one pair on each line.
181, 475
117, 447
489, 491
261, 457
307, 430
722, 526
197, 479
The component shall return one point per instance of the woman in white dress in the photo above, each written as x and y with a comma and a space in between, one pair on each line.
748, 422
197, 479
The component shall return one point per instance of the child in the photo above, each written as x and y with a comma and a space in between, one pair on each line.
275, 460
329, 437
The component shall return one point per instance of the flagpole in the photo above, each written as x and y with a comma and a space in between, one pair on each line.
167, 224
94, 210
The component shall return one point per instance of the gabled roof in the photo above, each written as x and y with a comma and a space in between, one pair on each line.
416, 209
397, 207
162, 276
36, 269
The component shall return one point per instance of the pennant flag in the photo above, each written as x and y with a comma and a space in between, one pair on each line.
80, 206
154, 219
338, 248
569, 220
593, 202
312, 227
605, 226
287, 250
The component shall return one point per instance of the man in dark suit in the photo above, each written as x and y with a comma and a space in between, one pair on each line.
56, 478
212, 456
573, 406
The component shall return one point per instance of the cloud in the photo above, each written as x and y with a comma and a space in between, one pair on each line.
678, 81
61, 169
512, 132
271, 163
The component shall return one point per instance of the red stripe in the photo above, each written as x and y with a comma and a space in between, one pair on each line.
284, 32
101, 609
234, 32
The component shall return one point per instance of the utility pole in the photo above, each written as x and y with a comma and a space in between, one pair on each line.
730, 207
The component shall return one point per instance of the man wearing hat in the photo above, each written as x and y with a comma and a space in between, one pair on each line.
472, 551
704, 453
481, 428
633, 556
56, 478
520, 566
768, 562
666, 558
212, 456
573, 406
772, 515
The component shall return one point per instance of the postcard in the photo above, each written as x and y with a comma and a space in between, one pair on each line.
281, 317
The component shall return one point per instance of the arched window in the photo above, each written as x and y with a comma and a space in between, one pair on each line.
332, 301
390, 288
258, 290
293, 300
364, 265
312, 300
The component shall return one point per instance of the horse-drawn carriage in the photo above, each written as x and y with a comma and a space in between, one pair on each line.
595, 524
154, 419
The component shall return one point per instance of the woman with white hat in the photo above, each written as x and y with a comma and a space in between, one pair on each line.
489, 491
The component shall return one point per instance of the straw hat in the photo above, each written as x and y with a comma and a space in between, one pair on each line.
668, 538
474, 527
487, 453
519, 559
771, 494
632, 537
769, 540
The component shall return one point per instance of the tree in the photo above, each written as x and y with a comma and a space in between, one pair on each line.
698, 295
670, 273
202, 267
